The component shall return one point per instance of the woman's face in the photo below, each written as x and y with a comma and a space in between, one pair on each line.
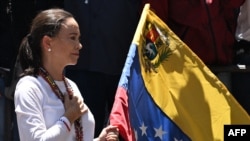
66, 45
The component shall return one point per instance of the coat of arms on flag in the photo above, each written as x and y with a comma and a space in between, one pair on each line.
167, 93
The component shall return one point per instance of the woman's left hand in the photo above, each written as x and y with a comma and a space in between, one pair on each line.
109, 133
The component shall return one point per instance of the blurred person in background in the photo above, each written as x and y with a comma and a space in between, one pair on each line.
240, 80
15, 18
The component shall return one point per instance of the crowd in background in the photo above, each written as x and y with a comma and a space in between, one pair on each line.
208, 27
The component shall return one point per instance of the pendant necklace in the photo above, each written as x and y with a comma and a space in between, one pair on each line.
59, 94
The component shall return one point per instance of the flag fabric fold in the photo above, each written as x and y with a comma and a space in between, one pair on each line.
167, 93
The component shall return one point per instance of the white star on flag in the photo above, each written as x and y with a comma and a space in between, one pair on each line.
159, 132
143, 129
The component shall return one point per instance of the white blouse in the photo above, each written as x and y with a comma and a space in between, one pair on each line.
38, 111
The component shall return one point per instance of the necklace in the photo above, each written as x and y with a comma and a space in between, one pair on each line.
59, 94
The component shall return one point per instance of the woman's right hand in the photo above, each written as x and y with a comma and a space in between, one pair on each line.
74, 107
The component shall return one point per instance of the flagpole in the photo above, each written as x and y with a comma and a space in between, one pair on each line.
141, 24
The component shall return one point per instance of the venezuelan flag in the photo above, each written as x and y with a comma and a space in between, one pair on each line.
166, 93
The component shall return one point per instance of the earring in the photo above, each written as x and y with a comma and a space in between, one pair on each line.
49, 49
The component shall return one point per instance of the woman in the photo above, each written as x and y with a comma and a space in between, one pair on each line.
48, 105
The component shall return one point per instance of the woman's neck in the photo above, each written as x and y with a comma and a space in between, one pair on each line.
55, 72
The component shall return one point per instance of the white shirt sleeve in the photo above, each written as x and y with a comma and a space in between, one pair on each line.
29, 99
